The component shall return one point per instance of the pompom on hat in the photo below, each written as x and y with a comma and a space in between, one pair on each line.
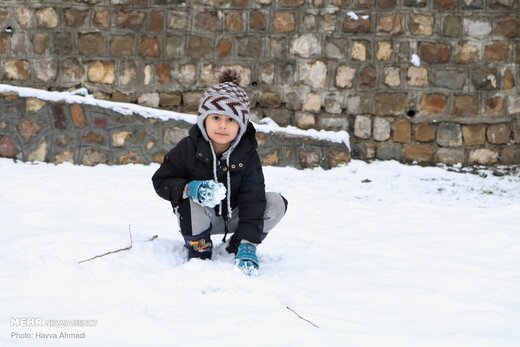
225, 98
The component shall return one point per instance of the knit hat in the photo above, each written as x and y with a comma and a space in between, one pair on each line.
225, 98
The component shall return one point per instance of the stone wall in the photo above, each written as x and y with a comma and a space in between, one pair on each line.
325, 64
32, 129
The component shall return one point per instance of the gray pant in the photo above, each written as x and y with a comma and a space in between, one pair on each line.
202, 218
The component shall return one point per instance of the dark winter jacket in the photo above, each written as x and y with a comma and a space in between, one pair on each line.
192, 159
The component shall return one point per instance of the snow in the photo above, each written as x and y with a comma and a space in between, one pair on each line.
354, 16
378, 254
416, 61
81, 96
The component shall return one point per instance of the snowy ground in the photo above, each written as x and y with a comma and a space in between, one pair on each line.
377, 254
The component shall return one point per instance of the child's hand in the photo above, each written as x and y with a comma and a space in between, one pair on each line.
206, 193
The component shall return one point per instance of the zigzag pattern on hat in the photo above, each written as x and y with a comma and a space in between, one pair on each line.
226, 98
223, 104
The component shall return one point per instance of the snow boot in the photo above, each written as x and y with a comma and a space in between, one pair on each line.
199, 247
246, 258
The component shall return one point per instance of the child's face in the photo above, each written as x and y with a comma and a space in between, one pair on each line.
221, 129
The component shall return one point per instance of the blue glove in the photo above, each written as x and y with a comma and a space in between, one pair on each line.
206, 193
246, 258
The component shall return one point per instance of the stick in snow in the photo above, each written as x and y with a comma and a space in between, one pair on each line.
290, 309
118, 250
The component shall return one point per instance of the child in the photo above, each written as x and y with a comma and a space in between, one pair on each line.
214, 178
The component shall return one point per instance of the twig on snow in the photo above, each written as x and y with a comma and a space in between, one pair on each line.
118, 250
290, 309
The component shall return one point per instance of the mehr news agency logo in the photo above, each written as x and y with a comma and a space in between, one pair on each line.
37, 322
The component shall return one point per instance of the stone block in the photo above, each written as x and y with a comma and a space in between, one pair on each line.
484, 78
417, 76
516, 130
306, 46
310, 159
64, 157
392, 76
498, 134
8, 147
356, 26
434, 53
508, 79
363, 126
178, 19
494, 105
91, 44
420, 24
467, 53
418, 152
482, 156
122, 45
450, 78
424, 132
169, 100
200, 46
92, 157
78, 116
338, 156
314, 74
466, 105
452, 26
39, 154
281, 116
257, 20
345, 76
333, 122
101, 19
390, 104
187, 74
150, 47
474, 134
496, 52
28, 129
433, 103
101, 72
224, 47
71, 70
234, 22
47, 18
46, 70
445, 5
250, 47
172, 135
450, 156
477, 28
368, 77
120, 138
402, 131
40, 43
17, 70
191, 101
24, 17
384, 50
34, 105
271, 158
312, 102
94, 138
149, 100
284, 22
389, 151
162, 72
271, 100
305, 120
510, 155
75, 17
333, 102
513, 104
129, 19
449, 135
389, 24
382, 129
156, 22
508, 26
